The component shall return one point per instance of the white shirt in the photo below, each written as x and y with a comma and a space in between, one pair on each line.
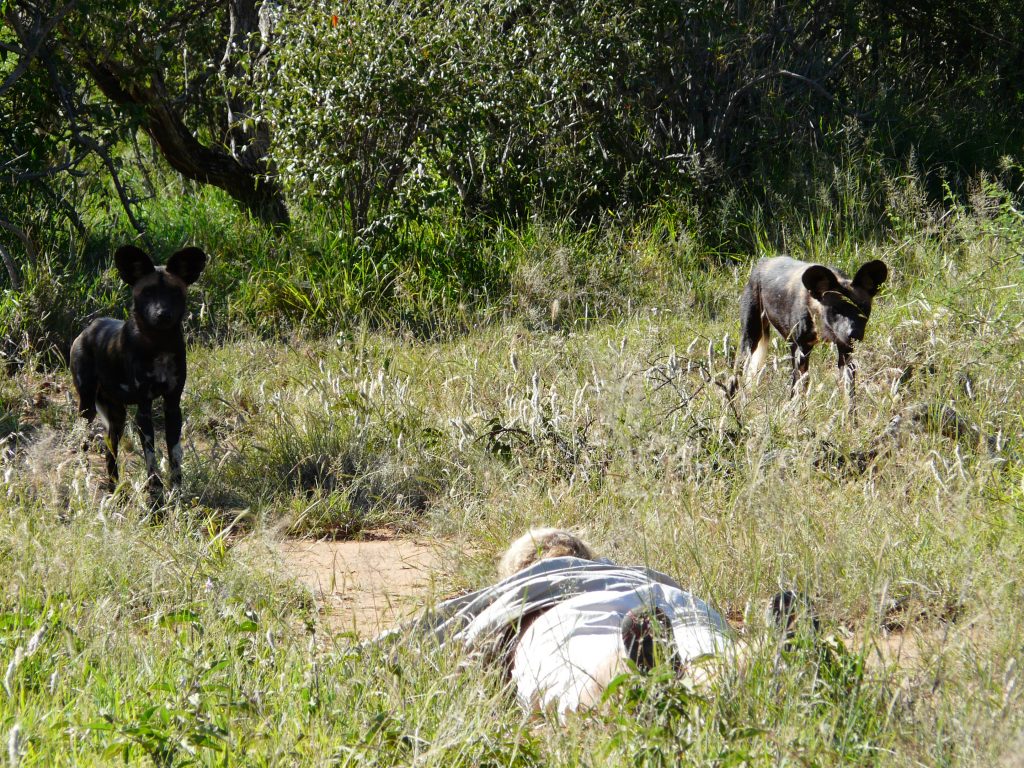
585, 602
574, 643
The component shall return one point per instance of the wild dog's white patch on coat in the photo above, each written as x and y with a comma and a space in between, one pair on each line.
817, 312
152, 466
103, 416
175, 461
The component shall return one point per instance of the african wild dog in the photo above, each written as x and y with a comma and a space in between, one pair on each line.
116, 363
806, 303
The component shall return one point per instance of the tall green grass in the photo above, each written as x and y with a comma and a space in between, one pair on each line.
444, 275
589, 396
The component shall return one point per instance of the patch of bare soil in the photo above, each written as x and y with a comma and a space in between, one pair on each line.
904, 650
367, 586
914, 649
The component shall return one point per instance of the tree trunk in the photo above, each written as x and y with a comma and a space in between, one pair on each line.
193, 160
248, 138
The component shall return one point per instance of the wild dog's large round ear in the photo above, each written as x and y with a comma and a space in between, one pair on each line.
819, 280
871, 276
132, 263
187, 264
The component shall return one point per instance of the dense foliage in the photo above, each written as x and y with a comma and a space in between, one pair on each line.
81, 79
381, 109
421, 151
580, 107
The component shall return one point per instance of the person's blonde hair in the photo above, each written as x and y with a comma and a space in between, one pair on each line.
540, 544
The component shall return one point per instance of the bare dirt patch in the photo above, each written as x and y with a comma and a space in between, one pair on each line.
367, 586
915, 649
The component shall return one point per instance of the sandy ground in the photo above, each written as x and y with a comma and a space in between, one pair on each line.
364, 586
916, 649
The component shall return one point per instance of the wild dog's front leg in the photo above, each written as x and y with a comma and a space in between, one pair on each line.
801, 355
172, 409
848, 372
144, 421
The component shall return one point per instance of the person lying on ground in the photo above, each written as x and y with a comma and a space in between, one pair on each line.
565, 624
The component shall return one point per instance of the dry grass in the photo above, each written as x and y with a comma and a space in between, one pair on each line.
908, 533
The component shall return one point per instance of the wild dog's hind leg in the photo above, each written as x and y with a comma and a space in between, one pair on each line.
113, 415
753, 333
83, 376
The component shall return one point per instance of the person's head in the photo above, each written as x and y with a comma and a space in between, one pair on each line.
540, 544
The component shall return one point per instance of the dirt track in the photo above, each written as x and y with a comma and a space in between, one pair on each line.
364, 586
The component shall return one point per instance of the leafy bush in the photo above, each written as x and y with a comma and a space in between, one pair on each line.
394, 111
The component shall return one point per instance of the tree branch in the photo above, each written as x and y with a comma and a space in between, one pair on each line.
83, 139
22, 235
12, 268
182, 150
31, 39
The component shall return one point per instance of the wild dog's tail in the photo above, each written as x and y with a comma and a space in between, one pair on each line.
756, 360
753, 333
83, 376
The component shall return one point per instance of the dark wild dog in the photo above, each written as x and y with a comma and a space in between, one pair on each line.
806, 303
116, 363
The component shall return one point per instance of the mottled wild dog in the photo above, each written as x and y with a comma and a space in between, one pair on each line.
806, 303
116, 363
